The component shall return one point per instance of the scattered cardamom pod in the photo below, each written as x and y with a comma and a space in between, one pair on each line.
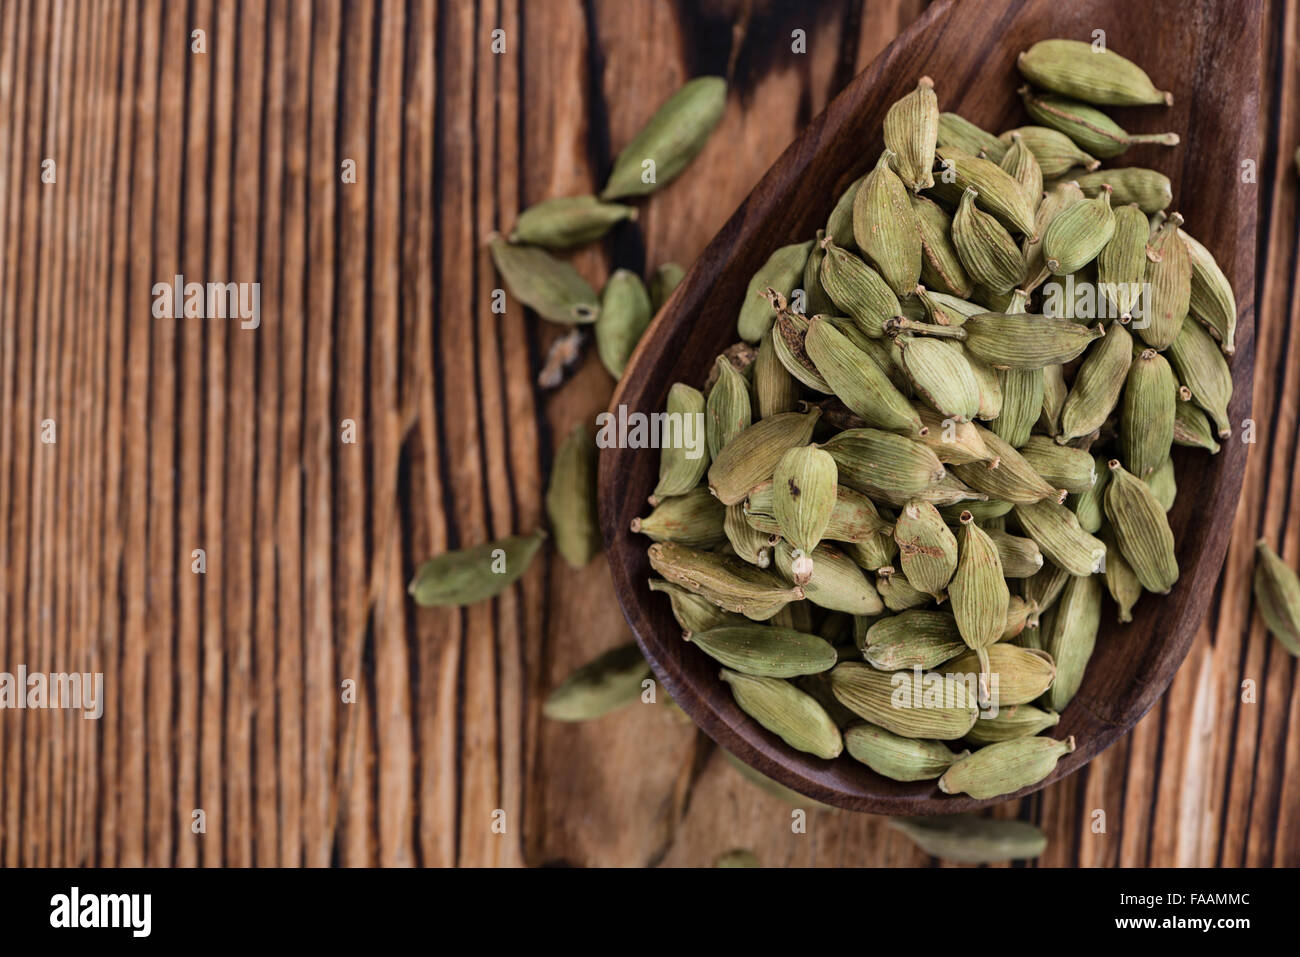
473, 574
1088, 126
725, 580
1056, 153
571, 499
624, 315
673, 137
568, 221
666, 278
1169, 273
1277, 592
550, 287
608, 682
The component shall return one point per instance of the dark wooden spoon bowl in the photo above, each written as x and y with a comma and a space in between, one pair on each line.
1207, 53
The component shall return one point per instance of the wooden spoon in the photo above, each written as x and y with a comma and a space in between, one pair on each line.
1208, 54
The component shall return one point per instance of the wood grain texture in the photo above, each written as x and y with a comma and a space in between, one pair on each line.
224, 689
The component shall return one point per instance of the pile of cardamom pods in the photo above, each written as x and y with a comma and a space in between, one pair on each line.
945, 436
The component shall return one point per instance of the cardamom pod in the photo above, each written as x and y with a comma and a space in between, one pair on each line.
666, 278
803, 488
1054, 394
725, 580
746, 541
789, 341
1020, 557
1043, 589
915, 638
961, 134
1097, 386
673, 137
1022, 404
1017, 721
1169, 275
683, 456
473, 574
694, 519
1163, 484
1005, 767
1014, 675
1121, 265
571, 499
1148, 189
858, 382
1020, 161
693, 612
885, 228
1277, 592
985, 248
854, 517
934, 706
896, 757
1146, 421
608, 682
1092, 129
737, 857
1088, 505
881, 464
1008, 477
839, 225
1058, 199
954, 442
1141, 529
941, 375
1069, 636
997, 191
1056, 153
550, 287
857, 289
927, 548
1212, 300
775, 389
766, 651
1056, 530
910, 129
1078, 234
1026, 341
896, 591
1089, 73
751, 457
624, 315
792, 715
1121, 582
836, 582
941, 267
782, 271
816, 301
726, 412
978, 589
1201, 367
1191, 427
568, 221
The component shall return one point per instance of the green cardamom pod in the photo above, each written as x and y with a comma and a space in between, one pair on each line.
915, 638
985, 248
1017, 721
941, 375
896, 757
748, 542
568, 221
897, 592
624, 315
1020, 161
725, 580
1022, 404
803, 492
1277, 592
1169, 273
882, 464
854, 517
673, 137
666, 278
941, 267
927, 548
1058, 199
873, 553
839, 225
751, 457
1056, 153
1121, 582
967, 839
1005, 767
1089, 73
727, 411
911, 128
1163, 484
684, 454
1121, 265
1146, 420
1148, 189
789, 340
775, 389
1201, 367
1092, 129
1212, 300
1020, 557
961, 134
473, 574
782, 272
997, 192
766, 651
1013, 675
1026, 341
885, 228
1141, 529
1191, 427
836, 582
1069, 636
978, 589
857, 289
694, 519
935, 706
1008, 476
1097, 386
550, 287
608, 682
953, 442
1055, 392
571, 499
1088, 505
1057, 531
693, 612
858, 382
792, 715
816, 301
1078, 234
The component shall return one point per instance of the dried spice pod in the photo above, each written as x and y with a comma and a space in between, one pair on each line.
792, 715
961, 134
836, 582
1020, 161
990, 387
1057, 531
978, 589
839, 225
789, 342
941, 267
954, 442
1008, 477
471, 575
1005, 767
897, 757
550, 287
857, 289
927, 549
1191, 427
1148, 189
670, 140
1097, 385
911, 128
1141, 529
803, 492
727, 410
1277, 593
1057, 199
1212, 300
882, 464
854, 517
1044, 589
1069, 636
1169, 275
874, 696
1013, 675
967, 839
1021, 557
1017, 721
1022, 404
693, 612
571, 499
885, 228
568, 221
1089, 505
941, 375
694, 519
858, 382
915, 638
1092, 129
782, 271
666, 278
1054, 394
1055, 152
987, 251
1163, 484
1121, 265
1121, 582
997, 191
624, 315
1090, 73
894, 588
751, 457
816, 301
683, 455
1146, 421
1026, 341
608, 682
766, 651
748, 542
1078, 234
1202, 369
725, 580
775, 389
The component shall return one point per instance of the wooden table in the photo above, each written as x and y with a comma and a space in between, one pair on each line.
291, 691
